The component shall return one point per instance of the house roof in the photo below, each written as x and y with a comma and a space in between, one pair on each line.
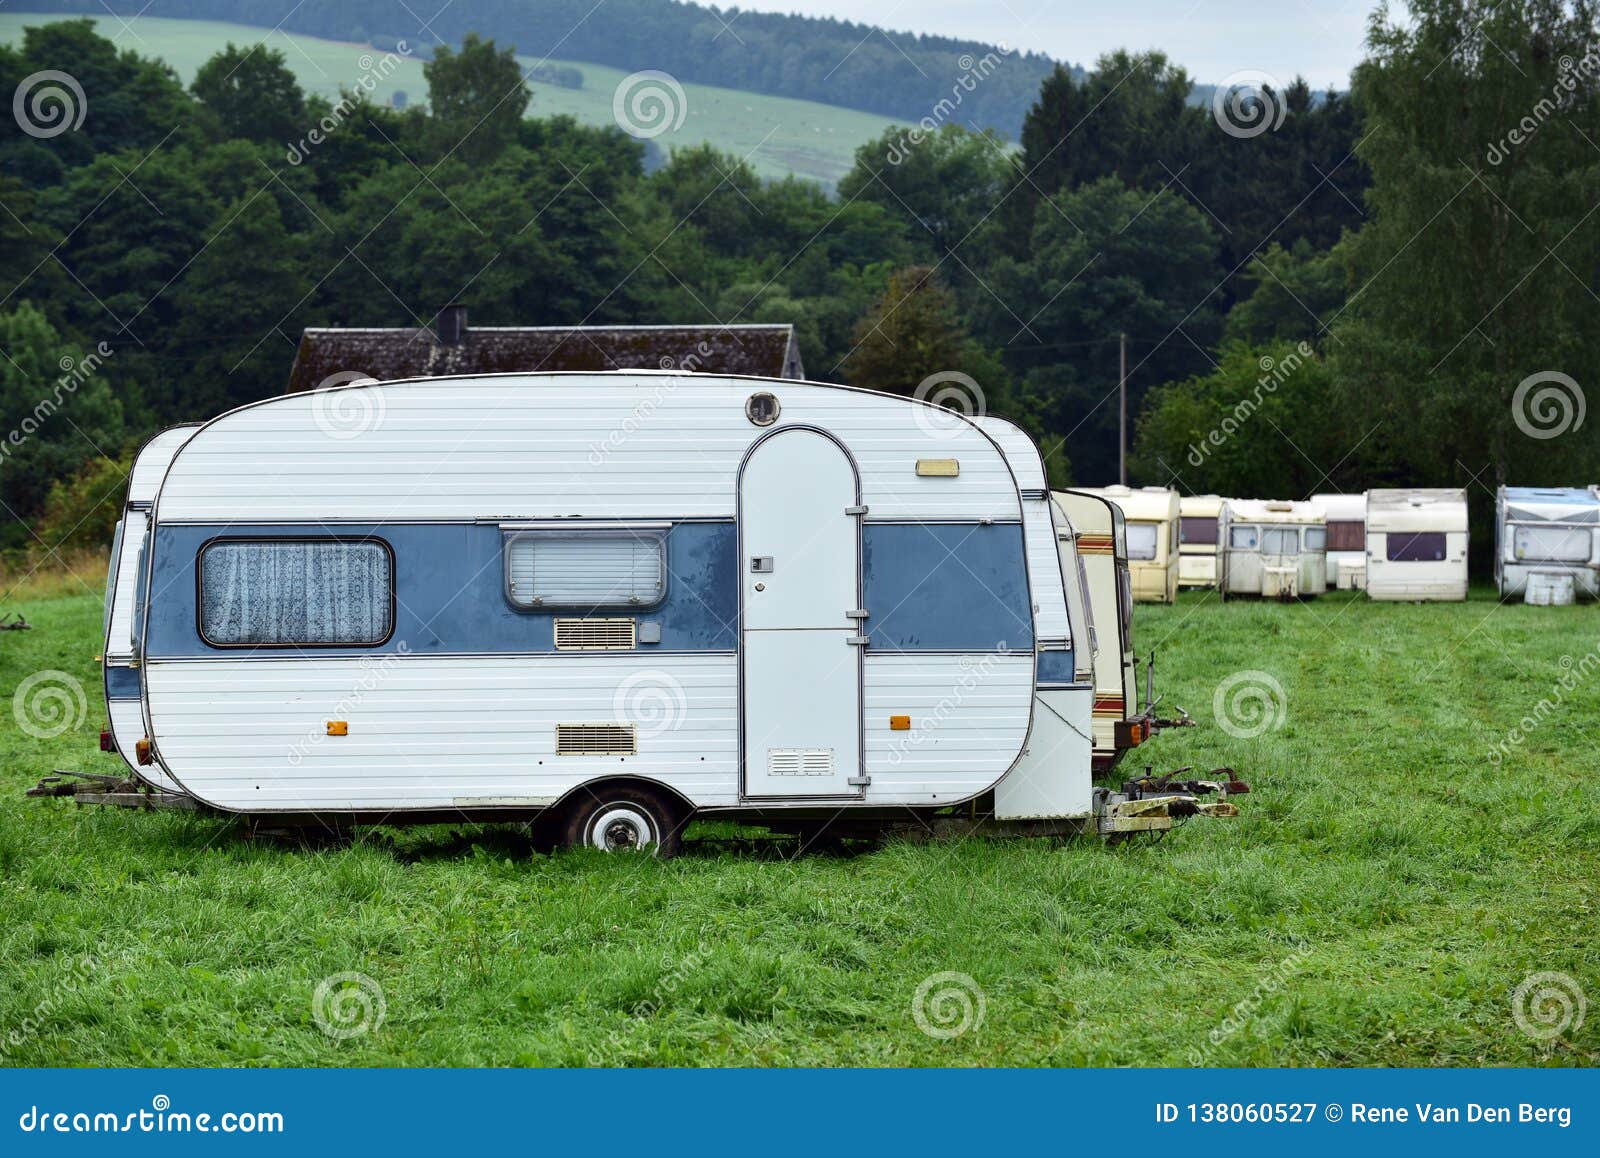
767, 351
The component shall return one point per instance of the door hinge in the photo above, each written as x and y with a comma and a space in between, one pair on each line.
858, 613
855, 510
859, 781
857, 641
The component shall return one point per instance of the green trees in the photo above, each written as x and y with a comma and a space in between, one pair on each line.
1477, 268
477, 96
253, 95
56, 412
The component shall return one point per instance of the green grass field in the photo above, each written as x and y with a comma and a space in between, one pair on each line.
779, 136
1384, 893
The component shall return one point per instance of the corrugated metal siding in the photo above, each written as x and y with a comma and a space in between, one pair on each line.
153, 460
430, 733
606, 446
969, 721
127, 726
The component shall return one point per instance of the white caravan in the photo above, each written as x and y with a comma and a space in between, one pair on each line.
1547, 543
1347, 540
610, 602
1417, 544
1199, 540
1274, 548
1151, 514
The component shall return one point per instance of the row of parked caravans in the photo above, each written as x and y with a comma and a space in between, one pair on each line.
1394, 544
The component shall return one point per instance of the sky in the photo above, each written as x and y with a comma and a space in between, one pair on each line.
1212, 39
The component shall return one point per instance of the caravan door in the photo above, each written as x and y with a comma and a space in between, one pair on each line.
800, 567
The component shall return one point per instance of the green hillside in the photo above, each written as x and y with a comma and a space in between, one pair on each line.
779, 136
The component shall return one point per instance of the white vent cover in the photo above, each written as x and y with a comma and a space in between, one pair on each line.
594, 634
596, 740
799, 761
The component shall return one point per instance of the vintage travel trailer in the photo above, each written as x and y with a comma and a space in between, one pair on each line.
1347, 540
1097, 527
1274, 548
1547, 543
1199, 540
1151, 514
1417, 544
609, 602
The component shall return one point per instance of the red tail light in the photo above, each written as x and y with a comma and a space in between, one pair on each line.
107, 744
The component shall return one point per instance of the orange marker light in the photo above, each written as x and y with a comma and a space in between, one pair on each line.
338, 727
900, 723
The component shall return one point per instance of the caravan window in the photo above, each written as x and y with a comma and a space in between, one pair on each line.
1421, 547
1316, 539
1244, 538
1347, 535
296, 592
1142, 541
1280, 541
586, 568
1553, 544
1199, 529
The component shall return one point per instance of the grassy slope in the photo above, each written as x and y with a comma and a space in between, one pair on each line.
1423, 884
779, 135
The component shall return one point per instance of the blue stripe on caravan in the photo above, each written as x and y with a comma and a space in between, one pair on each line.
1055, 667
123, 683
947, 587
450, 591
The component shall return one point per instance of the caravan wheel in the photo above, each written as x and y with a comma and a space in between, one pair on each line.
625, 818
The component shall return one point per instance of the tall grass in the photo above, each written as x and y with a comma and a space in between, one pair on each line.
1383, 896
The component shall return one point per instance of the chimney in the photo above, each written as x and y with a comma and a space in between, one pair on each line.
451, 325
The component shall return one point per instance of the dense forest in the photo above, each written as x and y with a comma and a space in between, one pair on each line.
899, 74
1395, 286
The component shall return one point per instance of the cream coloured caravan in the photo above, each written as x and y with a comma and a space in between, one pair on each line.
1347, 540
1274, 548
1199, 540
1099, 533
1151, 514
1417, 544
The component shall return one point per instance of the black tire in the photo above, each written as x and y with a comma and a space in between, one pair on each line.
625, 818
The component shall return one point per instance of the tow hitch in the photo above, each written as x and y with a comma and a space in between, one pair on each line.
98, 788
1153, 803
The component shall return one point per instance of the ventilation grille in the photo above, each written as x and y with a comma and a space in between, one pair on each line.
594, 634
596, 740
799, 761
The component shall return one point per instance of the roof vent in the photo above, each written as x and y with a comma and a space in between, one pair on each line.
451, 324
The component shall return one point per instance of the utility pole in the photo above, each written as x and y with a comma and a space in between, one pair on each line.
1122, 407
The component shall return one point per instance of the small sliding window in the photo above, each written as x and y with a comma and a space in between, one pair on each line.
296, 592
581, 570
